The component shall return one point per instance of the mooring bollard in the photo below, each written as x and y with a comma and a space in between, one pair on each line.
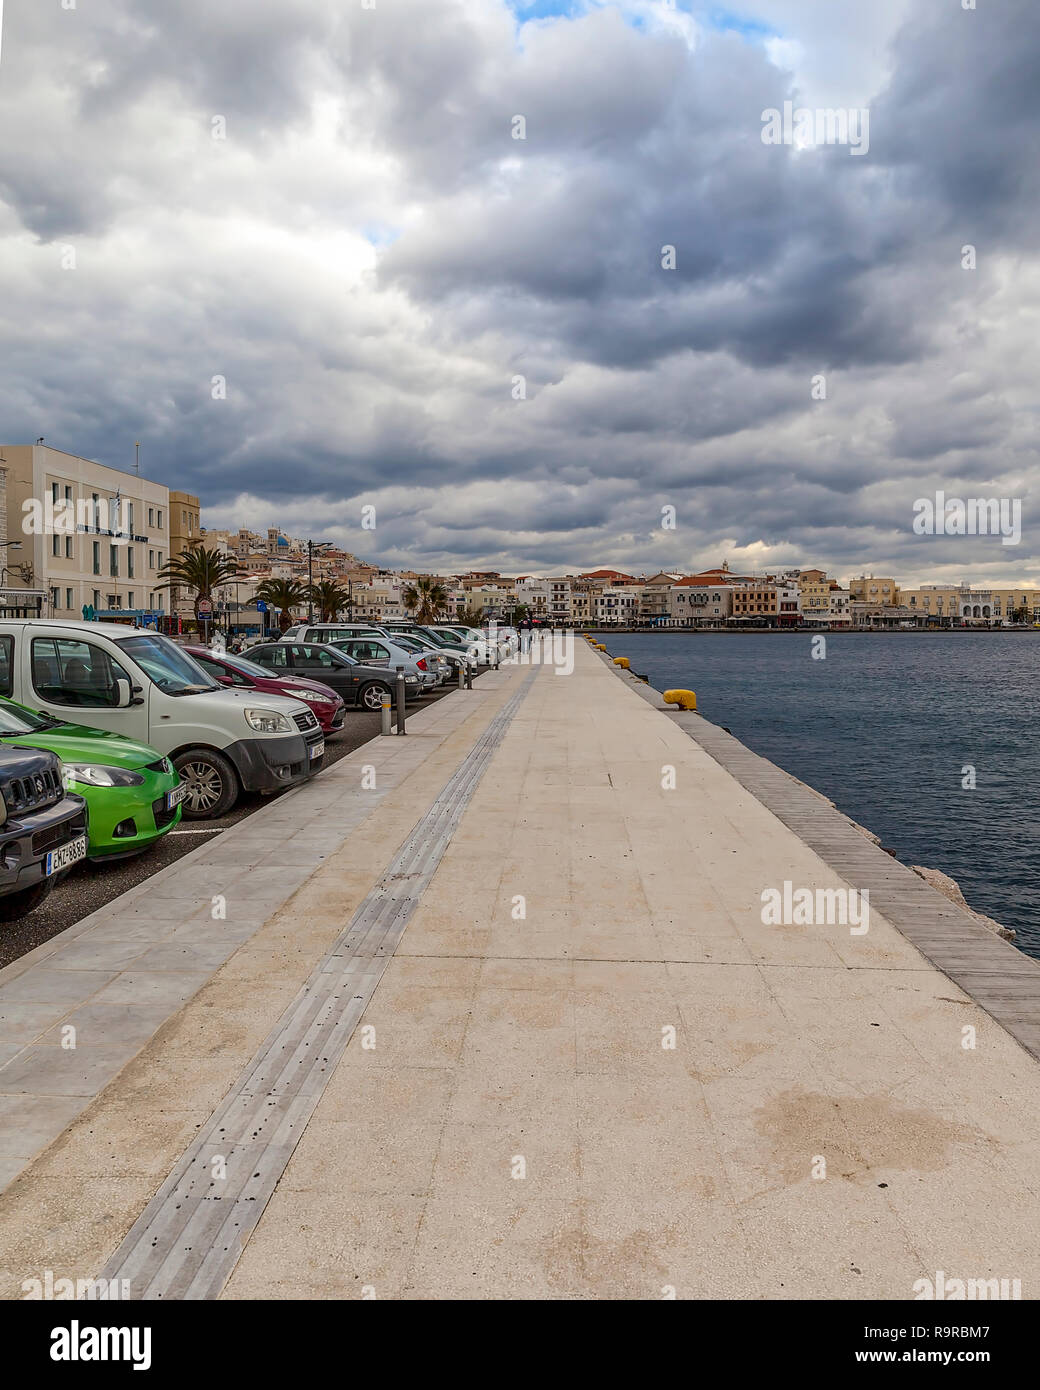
400, 699
385, 713
462, 675
469, 676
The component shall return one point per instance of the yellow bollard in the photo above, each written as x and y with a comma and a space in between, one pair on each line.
621, 661
685, 699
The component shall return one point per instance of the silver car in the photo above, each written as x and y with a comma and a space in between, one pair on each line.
380, 651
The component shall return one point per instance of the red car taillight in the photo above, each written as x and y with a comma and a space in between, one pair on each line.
421, 663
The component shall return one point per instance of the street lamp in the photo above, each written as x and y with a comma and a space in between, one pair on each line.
312, 546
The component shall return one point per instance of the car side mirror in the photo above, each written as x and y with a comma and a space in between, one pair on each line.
123, 694
225, 679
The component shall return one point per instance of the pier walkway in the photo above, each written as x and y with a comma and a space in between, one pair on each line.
492, 1011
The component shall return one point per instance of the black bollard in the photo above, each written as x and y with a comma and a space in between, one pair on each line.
400, 699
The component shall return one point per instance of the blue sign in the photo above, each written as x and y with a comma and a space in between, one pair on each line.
261, 606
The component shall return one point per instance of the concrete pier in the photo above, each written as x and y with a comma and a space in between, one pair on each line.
507, 991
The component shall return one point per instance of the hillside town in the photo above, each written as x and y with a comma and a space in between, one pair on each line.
128, 574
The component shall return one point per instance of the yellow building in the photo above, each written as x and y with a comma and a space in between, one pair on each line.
867, 589
185, 531
815, 590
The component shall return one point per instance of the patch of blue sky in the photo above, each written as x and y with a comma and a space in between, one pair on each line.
728, 21
381, 234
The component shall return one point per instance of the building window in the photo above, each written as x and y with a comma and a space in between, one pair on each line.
129, 562
97, 557
94, 501
151, 559
55, 545
113, 561
68, 547
54, 493
159, 522
54, 598
95, 602
69, 599
151, 516
130, 598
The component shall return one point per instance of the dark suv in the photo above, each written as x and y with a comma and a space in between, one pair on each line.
43, 829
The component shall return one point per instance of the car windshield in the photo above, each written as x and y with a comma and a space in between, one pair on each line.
247, 668
172, 670
15, 720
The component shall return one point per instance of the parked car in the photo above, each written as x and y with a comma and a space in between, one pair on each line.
43, 829
451, 652
133, 793
342, 634
327, 706
221, 741
330, 632
380, 651
487, 651
360, 685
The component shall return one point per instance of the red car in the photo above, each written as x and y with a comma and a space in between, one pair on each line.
325, 704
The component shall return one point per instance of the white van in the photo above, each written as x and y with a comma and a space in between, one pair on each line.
129, 681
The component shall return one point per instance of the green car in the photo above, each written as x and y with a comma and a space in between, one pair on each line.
133, 793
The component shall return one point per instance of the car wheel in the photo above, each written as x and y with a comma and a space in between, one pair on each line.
373, 695
17, 905
211, 782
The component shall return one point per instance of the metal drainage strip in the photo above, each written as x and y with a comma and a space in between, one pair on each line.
187, 1241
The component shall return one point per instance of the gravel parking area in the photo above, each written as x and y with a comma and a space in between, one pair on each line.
90, 886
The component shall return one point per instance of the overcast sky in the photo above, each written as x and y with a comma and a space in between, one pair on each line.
370, 260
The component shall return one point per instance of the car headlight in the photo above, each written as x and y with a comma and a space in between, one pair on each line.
268, 721
310, 695
412, 680
99, 775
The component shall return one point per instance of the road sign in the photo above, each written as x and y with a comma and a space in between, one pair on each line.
205, 606
261, 606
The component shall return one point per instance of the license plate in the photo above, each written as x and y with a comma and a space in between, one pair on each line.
318, 751
174, 798
59, 859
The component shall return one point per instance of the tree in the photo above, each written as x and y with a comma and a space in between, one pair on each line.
329, 598
1021, 614
425, 599
198, 570
285, 594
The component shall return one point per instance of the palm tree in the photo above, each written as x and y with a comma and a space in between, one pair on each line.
285, 594
426, 599
198, 570
329, 598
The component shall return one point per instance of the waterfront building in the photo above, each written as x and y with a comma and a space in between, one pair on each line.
616, 605
701, 605
867, 589
106, 557
815, 592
